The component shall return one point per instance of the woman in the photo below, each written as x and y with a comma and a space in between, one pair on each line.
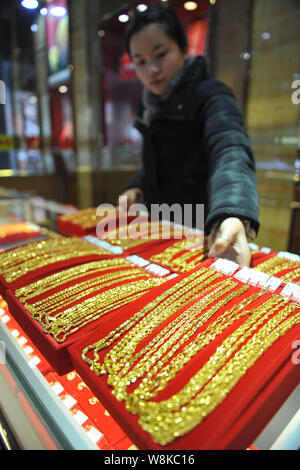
195, 149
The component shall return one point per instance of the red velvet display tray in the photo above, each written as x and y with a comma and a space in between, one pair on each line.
153, 250
259, 257
235, 423
66, 226
18, 234
152, 241
51, 268
55, 352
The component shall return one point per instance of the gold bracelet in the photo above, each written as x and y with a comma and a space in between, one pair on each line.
277, 270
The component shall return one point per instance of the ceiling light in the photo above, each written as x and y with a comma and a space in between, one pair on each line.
266, 35
30, 4
63, 89
190, 6
34, 28
141, 7
123, 18
58, 11
44, 11
245, 55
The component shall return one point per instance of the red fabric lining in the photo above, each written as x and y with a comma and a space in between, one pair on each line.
247, 408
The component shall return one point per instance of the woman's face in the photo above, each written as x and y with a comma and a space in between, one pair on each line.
156, 56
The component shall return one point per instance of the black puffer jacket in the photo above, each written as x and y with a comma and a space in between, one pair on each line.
196, 151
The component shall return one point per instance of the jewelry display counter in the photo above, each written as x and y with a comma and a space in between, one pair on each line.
217, 344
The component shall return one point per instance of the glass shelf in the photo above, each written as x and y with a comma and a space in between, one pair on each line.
56, 420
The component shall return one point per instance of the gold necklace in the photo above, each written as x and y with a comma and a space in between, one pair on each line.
55, 280
16, 263
70, 320
292, 276
176, 416
178, 294
62, 299
172, 337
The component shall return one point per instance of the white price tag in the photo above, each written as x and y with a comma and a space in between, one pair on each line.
117, 250
244, 274
28, 350
172, 276
5, 319
2, 312
259, 278
225, 266
15, 333
273, 283
265, 249
138, 261
288, 255
157, 270
291, 290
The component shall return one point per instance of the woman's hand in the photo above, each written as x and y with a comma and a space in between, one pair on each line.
228, 240
129, 197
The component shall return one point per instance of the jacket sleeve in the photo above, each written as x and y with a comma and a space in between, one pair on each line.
231, 186
137, 181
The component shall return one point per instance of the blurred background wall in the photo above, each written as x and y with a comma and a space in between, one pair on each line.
66, 126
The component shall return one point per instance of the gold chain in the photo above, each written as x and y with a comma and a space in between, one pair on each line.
78, 291
292, 276
172, 257
159, 376
77, 316
276, 264
75, 273
174, 335
169, 419
158, 364
159, 308
17, 263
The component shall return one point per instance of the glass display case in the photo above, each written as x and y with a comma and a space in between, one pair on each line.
37, 413
40, 409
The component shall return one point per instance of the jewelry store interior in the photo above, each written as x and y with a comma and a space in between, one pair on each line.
111, 339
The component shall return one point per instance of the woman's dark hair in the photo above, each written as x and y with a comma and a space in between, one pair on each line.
158, 14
